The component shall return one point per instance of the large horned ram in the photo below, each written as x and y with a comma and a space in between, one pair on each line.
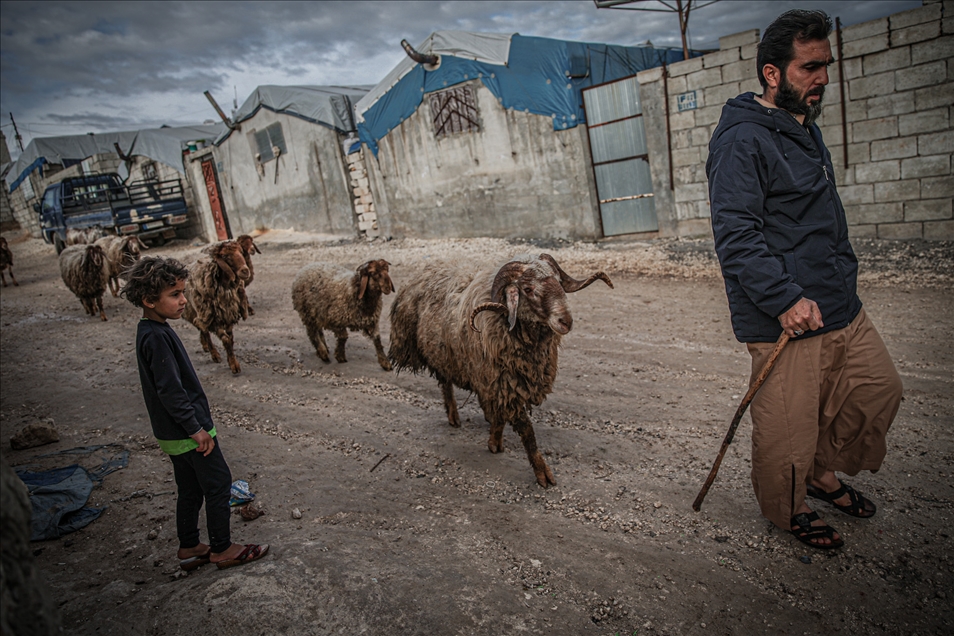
494, 333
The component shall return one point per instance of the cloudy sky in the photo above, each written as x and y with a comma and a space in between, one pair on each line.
76, 67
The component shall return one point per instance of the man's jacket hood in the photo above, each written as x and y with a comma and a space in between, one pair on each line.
779, 226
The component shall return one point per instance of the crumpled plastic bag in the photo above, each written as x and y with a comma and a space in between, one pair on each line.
240, 494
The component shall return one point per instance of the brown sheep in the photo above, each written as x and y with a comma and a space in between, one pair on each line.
213, 290
328, 296
121, 253
6, 262
86, 274
511, 362
248, 248
84, 236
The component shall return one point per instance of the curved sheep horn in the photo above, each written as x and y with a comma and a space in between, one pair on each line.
502, 309
571, 284
505, 275
225, 268
255, 247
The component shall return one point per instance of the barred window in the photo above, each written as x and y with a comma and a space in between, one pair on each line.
455, 111
264, 141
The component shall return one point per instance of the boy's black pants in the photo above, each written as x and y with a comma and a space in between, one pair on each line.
198, 478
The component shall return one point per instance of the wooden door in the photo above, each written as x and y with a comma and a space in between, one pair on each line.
222, 230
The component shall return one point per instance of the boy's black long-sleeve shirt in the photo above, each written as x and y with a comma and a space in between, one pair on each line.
174, 397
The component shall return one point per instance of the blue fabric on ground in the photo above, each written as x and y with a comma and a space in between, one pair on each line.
58, 498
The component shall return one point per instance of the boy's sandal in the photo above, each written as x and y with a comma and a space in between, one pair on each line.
193, 562
859, 505
251, 553
809, 534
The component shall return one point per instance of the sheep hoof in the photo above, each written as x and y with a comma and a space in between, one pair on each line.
544, 474
385, 365
495, 446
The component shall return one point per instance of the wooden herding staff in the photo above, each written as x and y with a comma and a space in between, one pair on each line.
759, 379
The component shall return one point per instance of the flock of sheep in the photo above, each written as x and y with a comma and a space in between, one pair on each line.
494, 332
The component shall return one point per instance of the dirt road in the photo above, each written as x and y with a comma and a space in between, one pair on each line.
443, 537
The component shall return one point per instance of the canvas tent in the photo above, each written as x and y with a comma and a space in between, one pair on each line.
485, 140
164, 145
281, 164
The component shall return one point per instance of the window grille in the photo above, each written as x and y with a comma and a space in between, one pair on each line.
264, 141
455, 111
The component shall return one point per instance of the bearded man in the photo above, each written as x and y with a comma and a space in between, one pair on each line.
782, 239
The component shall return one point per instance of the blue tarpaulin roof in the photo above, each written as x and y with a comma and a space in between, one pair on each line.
541, 76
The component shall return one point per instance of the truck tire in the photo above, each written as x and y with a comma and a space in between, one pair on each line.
58, 244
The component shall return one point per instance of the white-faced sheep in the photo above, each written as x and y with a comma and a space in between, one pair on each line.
6, 262
248, 248
86, 274
121, 253
213, 290
328, 296
511, 362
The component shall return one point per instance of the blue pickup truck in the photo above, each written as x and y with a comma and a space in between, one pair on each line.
150, 210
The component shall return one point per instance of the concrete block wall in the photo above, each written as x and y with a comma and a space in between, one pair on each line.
363, 199
899, 90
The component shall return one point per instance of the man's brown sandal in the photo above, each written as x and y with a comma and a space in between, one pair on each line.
859, 506
809, 534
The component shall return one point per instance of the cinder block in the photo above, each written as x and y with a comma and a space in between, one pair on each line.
928, 121
720, 58
897, 148
691, 192
874, 213
919, 33
933, 166
940, 49
864, 231
739, 39
905, 19
719, 95
929, 210
909, 190
857, 194
890, 60
937, 143
363, 182
892, 104
367, 199
680, 121
871, 129
674, 101
694, 227
831, 115
749, 51
685, 210
700, 136
900, 231
704, 78
676, 85
856, 111
853, 68
703, 154
859, 153
947, 25
876, 171
871, 86
939, 230
865, 30
750, 86
935, 96
864, 46
923, 75
709, 116
650, 75
365, 225
686, 157
738, 71
937, 187
831, 135
360, 208
685, 67
680, 139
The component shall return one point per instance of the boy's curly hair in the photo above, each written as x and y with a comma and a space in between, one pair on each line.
150, 276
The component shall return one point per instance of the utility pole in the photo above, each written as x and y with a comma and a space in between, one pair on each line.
16, 133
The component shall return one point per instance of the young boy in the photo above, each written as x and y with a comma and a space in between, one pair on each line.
180, 416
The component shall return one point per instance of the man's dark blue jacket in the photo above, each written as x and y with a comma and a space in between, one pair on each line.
779, 225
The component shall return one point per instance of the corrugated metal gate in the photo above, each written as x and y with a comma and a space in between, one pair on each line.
624, 184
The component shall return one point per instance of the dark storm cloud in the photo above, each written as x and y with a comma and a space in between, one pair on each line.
113, 65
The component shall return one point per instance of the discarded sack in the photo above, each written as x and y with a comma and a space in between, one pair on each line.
58, 498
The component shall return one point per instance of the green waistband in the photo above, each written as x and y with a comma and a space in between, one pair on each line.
179, 446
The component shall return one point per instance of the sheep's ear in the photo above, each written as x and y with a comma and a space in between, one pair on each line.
513, 300
225, 268
363, 286
255, 247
